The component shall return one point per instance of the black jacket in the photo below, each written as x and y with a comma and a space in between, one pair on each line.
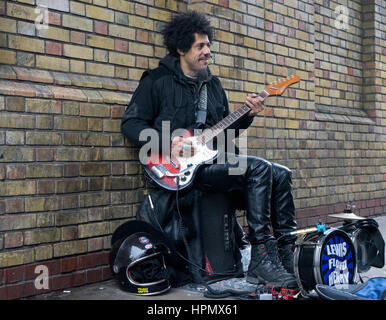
165, 93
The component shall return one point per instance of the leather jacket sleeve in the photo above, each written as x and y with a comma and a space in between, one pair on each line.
141, 113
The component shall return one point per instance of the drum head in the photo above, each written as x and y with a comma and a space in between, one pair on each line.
335, 259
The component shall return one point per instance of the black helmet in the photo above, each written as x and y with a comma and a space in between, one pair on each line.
137, 259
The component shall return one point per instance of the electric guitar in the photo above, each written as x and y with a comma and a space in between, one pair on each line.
177, 172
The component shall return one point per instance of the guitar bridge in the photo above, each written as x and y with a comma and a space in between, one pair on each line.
159, 171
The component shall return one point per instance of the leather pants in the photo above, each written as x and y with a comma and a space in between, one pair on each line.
266, 190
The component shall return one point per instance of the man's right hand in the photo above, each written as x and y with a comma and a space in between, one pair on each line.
182, 147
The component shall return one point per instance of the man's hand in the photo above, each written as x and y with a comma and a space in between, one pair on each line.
182, 147
256, 104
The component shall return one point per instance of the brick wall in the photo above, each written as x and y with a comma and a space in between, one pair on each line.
68, 68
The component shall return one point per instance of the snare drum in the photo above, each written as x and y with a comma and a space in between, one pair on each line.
324, 258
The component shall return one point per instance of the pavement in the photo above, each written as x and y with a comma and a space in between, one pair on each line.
109, 290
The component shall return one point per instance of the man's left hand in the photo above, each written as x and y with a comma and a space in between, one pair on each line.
256, 103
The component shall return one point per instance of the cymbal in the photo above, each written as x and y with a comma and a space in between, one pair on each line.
346, 216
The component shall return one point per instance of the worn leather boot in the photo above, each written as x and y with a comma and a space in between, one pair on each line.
266, 269
286, 254
280, 255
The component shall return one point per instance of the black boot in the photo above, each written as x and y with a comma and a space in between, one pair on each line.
264, 270
282, 257
286, 254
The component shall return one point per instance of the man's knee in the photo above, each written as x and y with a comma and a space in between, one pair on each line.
258, 166
281, 174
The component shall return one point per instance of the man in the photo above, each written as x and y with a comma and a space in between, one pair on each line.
173, 92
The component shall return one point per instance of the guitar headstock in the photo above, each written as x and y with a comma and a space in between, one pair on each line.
277, 87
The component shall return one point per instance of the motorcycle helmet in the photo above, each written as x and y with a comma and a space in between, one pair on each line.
137, 259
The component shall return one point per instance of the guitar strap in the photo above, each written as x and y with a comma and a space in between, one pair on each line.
202, 108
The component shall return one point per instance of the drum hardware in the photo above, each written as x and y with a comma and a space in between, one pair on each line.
320, 227
348, 215
368, 241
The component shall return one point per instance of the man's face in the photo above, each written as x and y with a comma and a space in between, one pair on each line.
195, 60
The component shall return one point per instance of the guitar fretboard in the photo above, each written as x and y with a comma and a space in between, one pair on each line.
227, 121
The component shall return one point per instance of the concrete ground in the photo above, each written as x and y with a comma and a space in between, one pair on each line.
109, 290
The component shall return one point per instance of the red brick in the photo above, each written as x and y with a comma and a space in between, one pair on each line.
121, 45
69, 202
46, 186
29, 289
14, 205
142, 36
44, 154
100, 27
15, 171
61, 282
268, 26
54, 18
54, 48
117, 111
79, 279
29, 272
281, 60
94, 275
106, 273
69, 264
54, 266
281, 40
71, 170
14, 292
15, 274
87, 261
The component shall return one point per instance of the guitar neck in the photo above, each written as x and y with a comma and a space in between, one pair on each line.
227, 121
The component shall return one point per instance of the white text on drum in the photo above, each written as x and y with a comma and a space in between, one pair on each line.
340, 274
336, 277
338, 249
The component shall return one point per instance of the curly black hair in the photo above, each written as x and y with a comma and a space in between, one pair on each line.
179, 32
